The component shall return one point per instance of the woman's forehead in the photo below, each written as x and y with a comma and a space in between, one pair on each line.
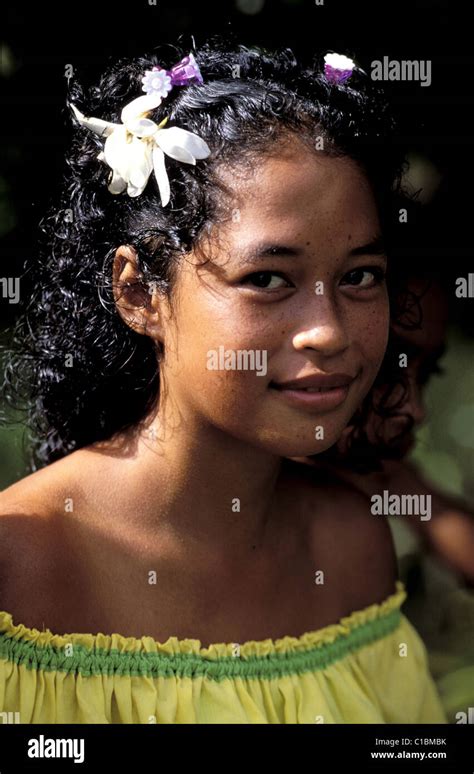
294, 180
300, 199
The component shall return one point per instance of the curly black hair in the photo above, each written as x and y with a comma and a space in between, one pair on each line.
74, 366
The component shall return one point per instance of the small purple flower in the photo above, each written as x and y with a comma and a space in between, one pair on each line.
338, 68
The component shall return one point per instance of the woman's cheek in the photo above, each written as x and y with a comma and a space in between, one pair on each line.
230, 362
374, 332
253, 334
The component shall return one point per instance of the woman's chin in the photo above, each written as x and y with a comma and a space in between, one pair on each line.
299, 451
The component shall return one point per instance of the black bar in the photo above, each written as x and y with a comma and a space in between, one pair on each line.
319, 748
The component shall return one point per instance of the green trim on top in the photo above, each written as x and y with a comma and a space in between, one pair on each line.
95, 661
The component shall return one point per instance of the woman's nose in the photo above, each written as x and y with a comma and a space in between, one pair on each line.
328, 334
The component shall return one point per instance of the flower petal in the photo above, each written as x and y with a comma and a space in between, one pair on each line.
181, 144
142, 127
141, 163
117, 151
97, 125
137, 107
161, 175
133, 190
117, 184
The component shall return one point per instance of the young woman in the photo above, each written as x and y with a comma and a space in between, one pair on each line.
207, 305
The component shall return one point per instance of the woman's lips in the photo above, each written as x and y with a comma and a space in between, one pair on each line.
322, 399
321, 391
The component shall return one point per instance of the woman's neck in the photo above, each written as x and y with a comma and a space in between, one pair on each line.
194, 482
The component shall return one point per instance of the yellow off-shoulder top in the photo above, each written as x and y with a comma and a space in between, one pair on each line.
370, 667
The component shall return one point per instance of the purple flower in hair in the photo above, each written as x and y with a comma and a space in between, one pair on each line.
338, 68
160, 81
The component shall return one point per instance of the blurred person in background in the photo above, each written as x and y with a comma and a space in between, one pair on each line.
438, 566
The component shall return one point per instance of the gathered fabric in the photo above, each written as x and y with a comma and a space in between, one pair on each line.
370, 667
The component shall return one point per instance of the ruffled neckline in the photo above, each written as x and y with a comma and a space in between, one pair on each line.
358, 628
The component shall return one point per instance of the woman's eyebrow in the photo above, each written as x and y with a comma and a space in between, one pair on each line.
375, 247
268, 250
261, 250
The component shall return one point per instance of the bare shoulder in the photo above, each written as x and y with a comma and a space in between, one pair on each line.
355, 545
45, 492
36, 494
30, 530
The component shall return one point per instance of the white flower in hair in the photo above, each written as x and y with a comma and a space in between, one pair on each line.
339, 62
137, 147
338, 68
157, 81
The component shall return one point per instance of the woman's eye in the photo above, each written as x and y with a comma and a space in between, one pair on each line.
364, 277
266, 280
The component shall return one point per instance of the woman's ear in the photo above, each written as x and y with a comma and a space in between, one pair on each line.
137, 306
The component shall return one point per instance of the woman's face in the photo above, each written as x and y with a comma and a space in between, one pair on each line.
293, 288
